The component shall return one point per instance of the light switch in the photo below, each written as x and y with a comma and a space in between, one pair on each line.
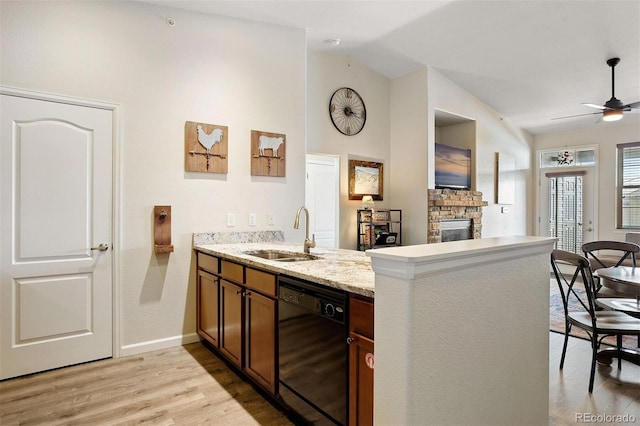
271, 219
252, 219
231, 219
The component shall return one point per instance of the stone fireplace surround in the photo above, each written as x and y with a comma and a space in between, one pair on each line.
447, 204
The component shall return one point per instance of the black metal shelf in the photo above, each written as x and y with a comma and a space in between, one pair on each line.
377, 228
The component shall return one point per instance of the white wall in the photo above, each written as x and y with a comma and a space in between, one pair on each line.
241, 74
606, 136
325, 74
412, 139
409, 153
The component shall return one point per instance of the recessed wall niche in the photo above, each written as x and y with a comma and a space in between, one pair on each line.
459, 131
448, 204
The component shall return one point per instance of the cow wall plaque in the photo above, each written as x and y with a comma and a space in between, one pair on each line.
268, 153
206, 147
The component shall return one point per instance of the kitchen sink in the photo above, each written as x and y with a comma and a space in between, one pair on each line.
281, 256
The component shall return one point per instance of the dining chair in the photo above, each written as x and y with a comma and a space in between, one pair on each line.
577, 288
609, 299
605, 254
632, 237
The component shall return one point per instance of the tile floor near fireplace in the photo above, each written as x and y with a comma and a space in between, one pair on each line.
451, 206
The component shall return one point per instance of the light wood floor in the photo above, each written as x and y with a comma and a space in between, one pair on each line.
188, 385
615, 392
185, 385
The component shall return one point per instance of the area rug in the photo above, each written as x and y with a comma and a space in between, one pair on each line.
556, 320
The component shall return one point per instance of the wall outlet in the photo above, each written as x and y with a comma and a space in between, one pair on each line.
252, 219
231, 219
271, 219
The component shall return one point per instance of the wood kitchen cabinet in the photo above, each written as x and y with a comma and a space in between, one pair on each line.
260, 337
237, 314
361, 360
207, 295
261, 322
231, 297
208, 323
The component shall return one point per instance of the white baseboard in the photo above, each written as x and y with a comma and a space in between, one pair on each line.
154, 345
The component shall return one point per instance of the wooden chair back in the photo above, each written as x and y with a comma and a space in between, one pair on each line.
597, 253
577, 285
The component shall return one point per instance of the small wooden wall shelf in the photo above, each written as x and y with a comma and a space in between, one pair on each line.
162, 229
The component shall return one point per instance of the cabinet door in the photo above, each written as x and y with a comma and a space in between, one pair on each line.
208, 319
360, 380
260, 334
231, 321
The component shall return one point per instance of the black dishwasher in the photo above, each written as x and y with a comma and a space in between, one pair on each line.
313, 351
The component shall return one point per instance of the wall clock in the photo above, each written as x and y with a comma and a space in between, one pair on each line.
347, 111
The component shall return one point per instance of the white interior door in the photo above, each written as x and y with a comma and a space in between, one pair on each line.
322, 198
56, 291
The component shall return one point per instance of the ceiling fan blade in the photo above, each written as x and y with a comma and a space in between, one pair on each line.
633, 105
579, 115
595, 106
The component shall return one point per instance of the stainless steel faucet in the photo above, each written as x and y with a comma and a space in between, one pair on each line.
308, 244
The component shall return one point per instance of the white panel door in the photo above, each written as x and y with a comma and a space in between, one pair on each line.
322, 191
56, 285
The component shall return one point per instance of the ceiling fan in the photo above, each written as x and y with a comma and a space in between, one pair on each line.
613, 109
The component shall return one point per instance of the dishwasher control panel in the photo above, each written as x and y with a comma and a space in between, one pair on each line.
314, 298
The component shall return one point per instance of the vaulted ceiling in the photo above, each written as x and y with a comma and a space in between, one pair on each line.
531, 61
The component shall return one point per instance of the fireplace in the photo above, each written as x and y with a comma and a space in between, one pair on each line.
454, 208
455, 230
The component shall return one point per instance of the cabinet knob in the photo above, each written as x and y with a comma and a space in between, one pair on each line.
350, 340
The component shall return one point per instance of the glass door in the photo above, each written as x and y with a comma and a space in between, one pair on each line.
566, 197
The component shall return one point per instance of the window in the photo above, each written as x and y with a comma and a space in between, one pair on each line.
628, 188
575, 157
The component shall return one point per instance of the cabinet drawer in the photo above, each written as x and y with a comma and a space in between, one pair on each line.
208, 263
361, 316
261, 281
232, 271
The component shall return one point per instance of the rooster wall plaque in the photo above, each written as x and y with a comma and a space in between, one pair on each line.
205, 147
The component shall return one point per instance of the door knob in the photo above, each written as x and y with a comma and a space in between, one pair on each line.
101, 247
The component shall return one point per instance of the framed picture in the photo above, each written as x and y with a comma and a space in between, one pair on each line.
365, 178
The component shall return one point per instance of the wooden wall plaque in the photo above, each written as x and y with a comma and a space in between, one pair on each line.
268, 153
206, 147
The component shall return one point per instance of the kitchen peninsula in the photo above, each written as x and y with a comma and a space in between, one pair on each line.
462, 327
462, 332
254, 296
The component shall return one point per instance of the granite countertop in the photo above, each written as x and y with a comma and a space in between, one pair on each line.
348, 270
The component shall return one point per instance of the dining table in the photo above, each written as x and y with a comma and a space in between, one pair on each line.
626, 281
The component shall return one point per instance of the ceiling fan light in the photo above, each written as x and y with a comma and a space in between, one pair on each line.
612, 115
